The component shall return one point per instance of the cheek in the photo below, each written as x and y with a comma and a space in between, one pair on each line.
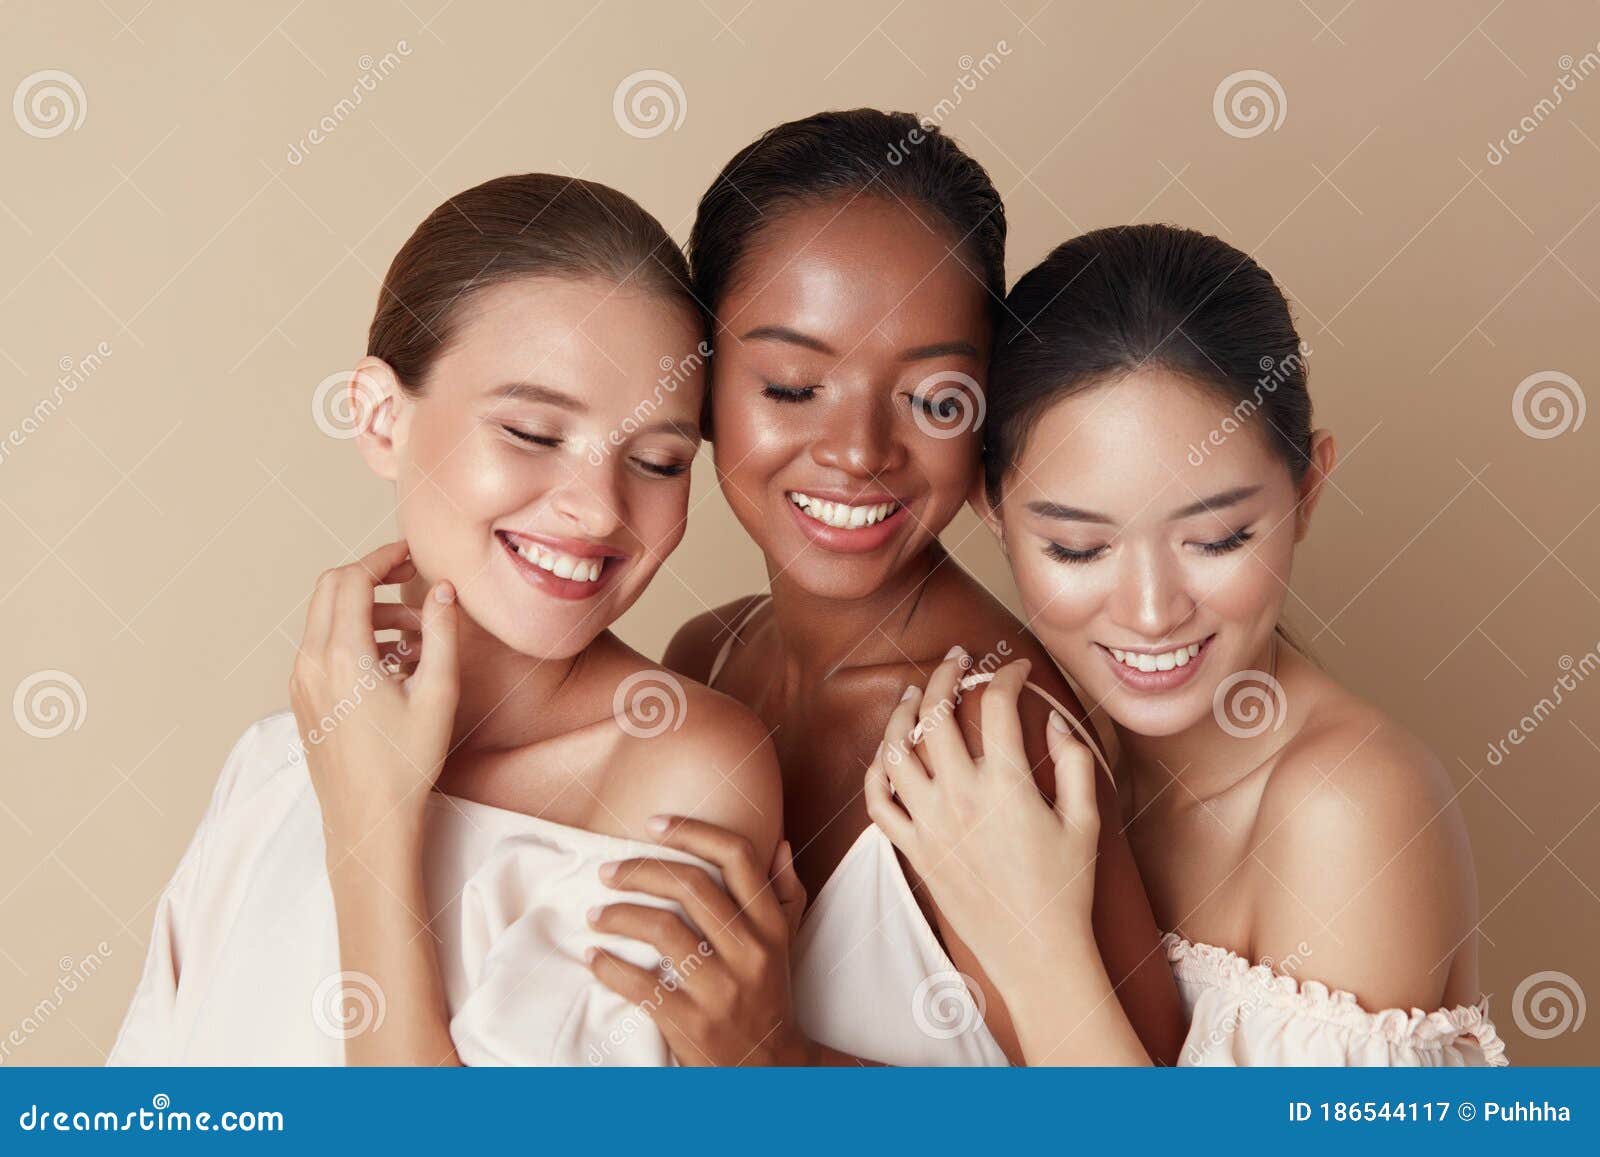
658, 514
1247, 585
949, 466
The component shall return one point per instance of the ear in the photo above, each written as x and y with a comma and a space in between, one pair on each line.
1324, 453
378, 403
988, 514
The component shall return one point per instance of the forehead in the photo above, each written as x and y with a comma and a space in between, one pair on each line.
588, 336
855, 272
1151, 437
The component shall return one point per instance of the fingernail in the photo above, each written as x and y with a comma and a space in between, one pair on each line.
444, 593
952, 652
909, 692
1057, 722
657, 824
589, 955
593, 915
608, 871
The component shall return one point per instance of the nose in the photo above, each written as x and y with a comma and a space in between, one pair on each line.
1152, 597
860, 439
589, 500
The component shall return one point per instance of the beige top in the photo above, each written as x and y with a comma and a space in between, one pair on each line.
243, 966
1242, 1014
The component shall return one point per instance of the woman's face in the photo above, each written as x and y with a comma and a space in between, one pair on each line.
544, 468
848, 389
1149, 578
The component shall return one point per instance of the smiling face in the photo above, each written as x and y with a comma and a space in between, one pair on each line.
849, 368
544, 467
1149, 578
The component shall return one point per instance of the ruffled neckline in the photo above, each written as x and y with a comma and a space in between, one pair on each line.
1218, 967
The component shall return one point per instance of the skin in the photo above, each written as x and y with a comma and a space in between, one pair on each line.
1333, 837
848, 309
510, 701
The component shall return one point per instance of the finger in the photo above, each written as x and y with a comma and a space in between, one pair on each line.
706, 904
786, 885
897, 733
395, 617
1003, 746
381, 565
882, 808
742, 874
653, 996
1075, 783
942, 740
438, 672
319, 617
908, 778
662, 929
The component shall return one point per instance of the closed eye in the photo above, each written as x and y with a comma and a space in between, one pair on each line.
788, 393
1066, 554
1226, 545
544, 440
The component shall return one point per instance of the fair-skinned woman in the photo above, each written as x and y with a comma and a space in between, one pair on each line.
855, 306
400, 872
1151, 469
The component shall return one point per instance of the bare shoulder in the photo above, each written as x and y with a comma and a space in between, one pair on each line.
694, 647
1362, 863
684, 749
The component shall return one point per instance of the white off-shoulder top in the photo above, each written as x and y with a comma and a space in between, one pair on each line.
243, 965
1242, 1014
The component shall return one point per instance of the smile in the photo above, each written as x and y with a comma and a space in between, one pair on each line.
1156, 671
566, 569
1160, 661
842, 516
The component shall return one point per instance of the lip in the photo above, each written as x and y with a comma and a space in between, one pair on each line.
1155, 682
843, 540
543, 580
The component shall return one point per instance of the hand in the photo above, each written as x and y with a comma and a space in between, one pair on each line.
1003, 865
728, 1001
375, 739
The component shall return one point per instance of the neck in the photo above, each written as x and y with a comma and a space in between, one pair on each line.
820, 635
1205, 758
507, 699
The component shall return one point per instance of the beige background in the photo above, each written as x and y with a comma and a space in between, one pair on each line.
161, 527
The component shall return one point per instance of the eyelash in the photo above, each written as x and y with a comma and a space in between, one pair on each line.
1221, 546
654, 469
789, 394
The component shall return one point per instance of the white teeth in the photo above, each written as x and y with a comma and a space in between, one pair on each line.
567, 566
842, 516
1163, 662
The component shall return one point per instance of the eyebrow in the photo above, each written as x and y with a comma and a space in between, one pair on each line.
537, 394
1219, 501
783, 333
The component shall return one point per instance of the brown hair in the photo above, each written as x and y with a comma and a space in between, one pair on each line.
529, 225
